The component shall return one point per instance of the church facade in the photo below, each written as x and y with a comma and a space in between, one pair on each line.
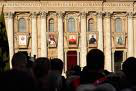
69, 29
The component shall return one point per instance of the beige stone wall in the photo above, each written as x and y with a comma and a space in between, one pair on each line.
77, 9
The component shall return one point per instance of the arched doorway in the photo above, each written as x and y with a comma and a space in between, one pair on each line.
71, 59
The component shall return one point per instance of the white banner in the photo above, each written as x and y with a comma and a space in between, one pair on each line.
22, 40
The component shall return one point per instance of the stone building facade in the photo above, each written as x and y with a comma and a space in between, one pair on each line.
69, 29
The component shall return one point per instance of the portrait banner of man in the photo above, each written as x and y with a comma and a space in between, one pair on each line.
119, 40
72, 40
23, 40
92, 39
52, 40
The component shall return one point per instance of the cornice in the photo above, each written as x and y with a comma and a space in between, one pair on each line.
52, 5
118, 6
97, 6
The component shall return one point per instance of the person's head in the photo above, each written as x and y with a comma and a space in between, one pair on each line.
19, 61
129, 66
95, 59
41, 66
56, 64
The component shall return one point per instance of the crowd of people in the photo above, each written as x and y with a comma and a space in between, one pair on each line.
46, 75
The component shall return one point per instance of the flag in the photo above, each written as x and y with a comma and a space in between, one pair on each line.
4, 47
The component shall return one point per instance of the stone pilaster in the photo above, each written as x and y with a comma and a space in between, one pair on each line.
134, 36
60, 36
10, 35
34, 34
100, 30
107, 41
112, 62
83, 44
43, 35
130, 35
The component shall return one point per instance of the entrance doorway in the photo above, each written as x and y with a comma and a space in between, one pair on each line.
118, 59
71, 59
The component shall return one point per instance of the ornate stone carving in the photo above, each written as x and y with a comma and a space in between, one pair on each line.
83, 14
33, 14
43, 14
118, 6
107, 15
9, 14
99, 14
130, 14
60, 14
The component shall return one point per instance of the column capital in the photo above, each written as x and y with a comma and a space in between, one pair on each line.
83, 14
99, 14
43, 14
9, 14
130, 14
60, 14
34, 14
107, 15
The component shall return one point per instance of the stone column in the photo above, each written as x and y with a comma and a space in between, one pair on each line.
100, 31
134, 37
10, 36
34, 35
112, 63
43, 35
65, 67
130, 35
60, 37
107, 41
83, 44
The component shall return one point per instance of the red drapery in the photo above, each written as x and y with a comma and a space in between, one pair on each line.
71, 59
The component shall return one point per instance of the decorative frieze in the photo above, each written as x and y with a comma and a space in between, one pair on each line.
118, 6
52, 4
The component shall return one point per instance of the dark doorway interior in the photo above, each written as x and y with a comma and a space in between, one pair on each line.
118, 59
71, 59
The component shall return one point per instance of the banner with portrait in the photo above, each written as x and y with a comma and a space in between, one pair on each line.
119, 40
72, 40
52, 40
22, 40
92, 39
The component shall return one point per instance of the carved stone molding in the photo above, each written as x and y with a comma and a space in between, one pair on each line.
83, 14
34, 14
9, 14
43, 14
130, 14
99, 14
118, 6
52, 4
60, 14
107, 15
92, 14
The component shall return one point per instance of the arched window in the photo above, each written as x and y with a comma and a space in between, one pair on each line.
90, 25
22, 25
118, 25
71, 25
51, 25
